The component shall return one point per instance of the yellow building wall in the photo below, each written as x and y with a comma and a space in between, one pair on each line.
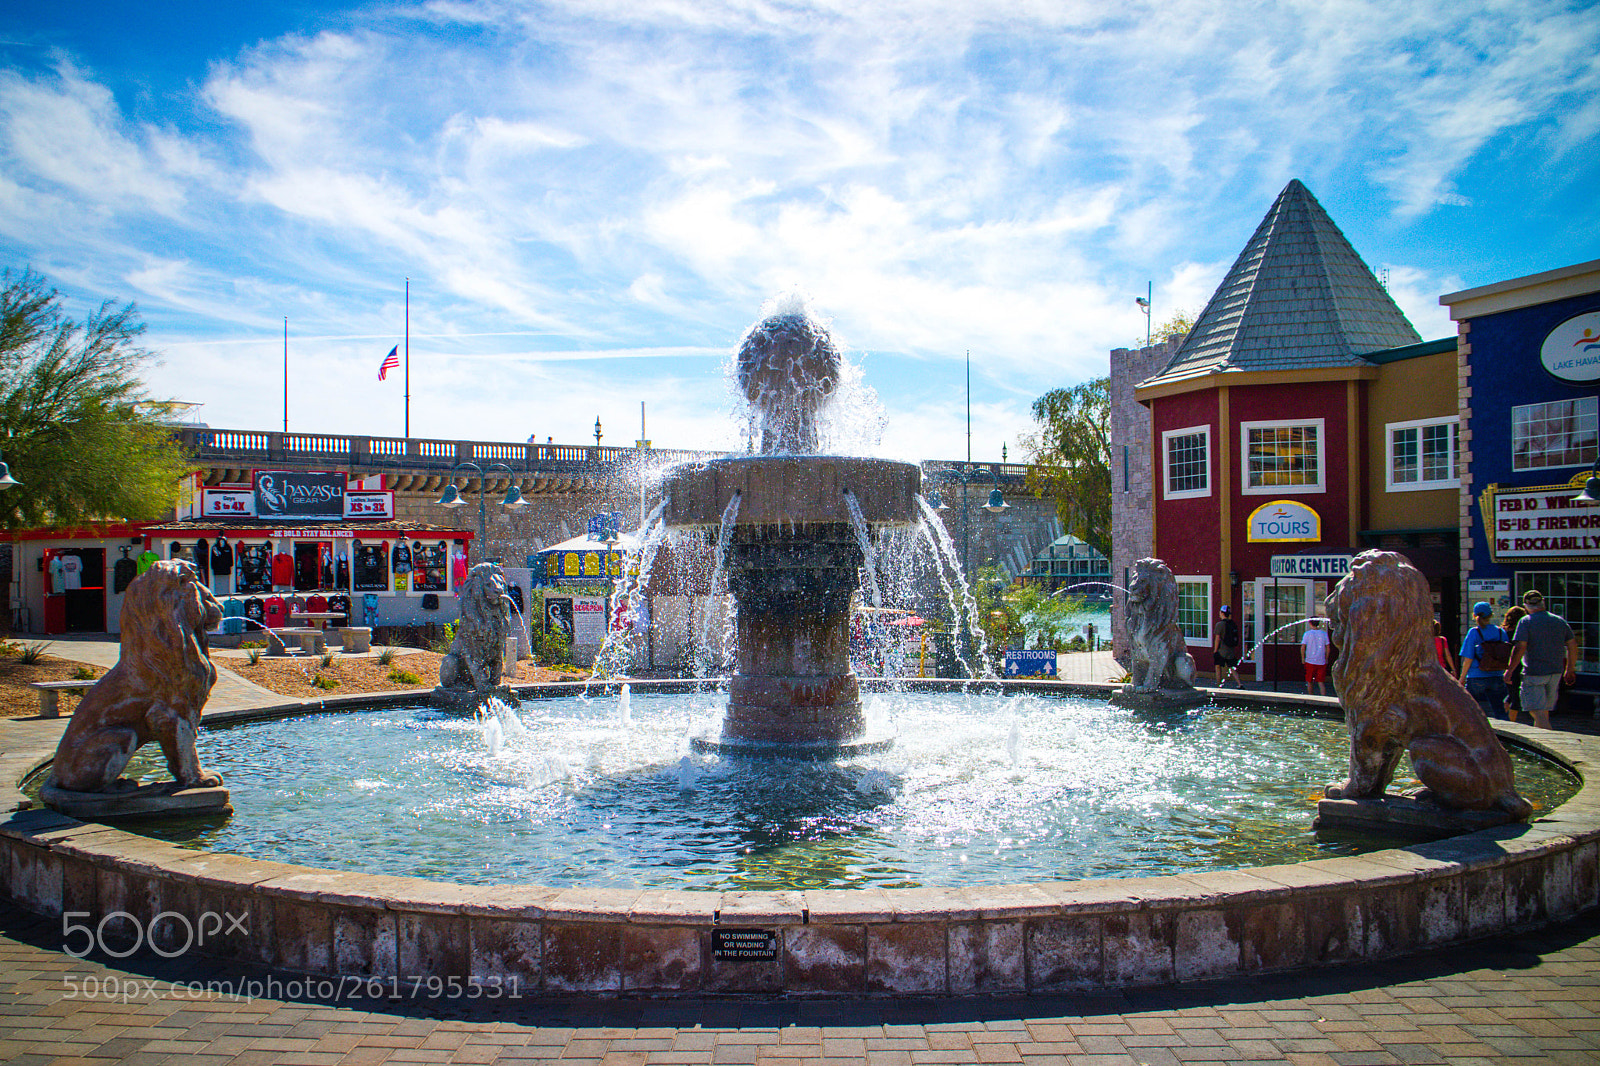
1424, 387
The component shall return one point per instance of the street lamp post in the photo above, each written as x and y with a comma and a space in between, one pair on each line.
513, 500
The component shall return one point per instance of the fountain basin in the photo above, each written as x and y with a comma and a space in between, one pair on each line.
786, 489
1043, 936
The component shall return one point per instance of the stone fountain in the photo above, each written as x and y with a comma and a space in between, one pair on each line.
794, 526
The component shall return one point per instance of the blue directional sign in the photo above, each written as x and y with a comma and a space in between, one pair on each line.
1031, 664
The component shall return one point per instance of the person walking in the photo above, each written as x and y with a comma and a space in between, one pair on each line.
1226, 648
1514, 682
1314, 656
1482, 663
1547, 650
1441, 649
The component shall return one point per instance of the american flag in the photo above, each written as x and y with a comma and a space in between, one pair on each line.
390, 362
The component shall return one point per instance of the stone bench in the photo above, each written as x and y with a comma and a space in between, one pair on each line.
50, 694
355, 639
312, 641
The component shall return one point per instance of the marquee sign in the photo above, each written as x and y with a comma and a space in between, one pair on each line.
1282, 521
1541, 522
300, 495
1571, 351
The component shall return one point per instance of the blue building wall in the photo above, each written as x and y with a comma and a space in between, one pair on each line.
1506, 372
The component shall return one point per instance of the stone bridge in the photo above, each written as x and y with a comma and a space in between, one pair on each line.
566, 483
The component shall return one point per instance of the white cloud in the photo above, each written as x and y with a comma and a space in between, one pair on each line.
634, 177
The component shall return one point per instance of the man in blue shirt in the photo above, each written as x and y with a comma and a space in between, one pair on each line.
1486, 683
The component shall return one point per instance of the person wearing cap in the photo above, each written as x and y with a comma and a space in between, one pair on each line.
1487, 686
1547, 650
1225, 649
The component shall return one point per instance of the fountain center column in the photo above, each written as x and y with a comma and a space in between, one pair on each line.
793, 684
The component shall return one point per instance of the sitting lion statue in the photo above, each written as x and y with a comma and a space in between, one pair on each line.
156, 690
1398, 698
477, 656
1159, 658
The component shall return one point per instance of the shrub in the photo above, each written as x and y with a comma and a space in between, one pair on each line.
327, 659
254, 656
324, 682
553, 648
404, 677
32, 653
386, 657
84, 673
252, 644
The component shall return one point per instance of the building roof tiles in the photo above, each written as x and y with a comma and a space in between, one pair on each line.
1298, 296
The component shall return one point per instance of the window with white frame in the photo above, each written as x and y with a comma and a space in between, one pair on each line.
1281, 457
1558, 433
1187, 461
1423, 454
1194, 610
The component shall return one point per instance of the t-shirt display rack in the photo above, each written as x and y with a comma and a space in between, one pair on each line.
254, 580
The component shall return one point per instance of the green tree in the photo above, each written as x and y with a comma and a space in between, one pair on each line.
76, 425
1179, 325
1070, 458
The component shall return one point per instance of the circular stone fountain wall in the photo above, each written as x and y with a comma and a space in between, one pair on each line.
1037, 937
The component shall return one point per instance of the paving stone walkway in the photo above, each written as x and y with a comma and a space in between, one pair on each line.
1530, 999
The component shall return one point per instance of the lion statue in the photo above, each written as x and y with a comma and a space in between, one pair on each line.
155, 692
477, 656
1159, 658
1398, 698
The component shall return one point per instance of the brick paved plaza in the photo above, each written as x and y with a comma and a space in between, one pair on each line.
1523, 999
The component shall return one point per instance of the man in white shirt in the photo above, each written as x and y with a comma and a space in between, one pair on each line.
1314, 654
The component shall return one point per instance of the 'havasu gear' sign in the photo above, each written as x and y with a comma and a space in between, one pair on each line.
298, 494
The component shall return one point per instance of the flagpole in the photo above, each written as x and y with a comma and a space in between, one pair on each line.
408, 358
286, 373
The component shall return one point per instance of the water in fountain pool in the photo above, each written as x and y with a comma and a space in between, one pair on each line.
978, 789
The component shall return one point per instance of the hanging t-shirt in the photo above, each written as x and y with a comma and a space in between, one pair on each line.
275, 612
283, 569
400, 558
255, 610
369, 609
371, 574
72, 566
341, 605
58, 574
341, 577
233, 616
458, 568
221, 557
325, 566
147, 559
124, 572
316, 603
202, 558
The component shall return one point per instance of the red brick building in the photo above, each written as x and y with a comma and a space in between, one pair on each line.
1262, 457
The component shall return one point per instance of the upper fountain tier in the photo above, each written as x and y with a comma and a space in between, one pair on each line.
788, 371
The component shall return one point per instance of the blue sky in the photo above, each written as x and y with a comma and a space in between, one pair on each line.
593, 198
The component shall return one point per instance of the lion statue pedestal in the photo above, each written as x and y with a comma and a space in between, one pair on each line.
471, 670
1162, 668
1398, 699
155, 692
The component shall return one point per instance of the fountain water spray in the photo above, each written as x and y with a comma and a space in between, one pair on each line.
789, 525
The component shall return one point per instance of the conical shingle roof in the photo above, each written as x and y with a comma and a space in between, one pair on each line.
1298, 297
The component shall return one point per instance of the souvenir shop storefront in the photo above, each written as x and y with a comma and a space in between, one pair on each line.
373, 574
317, 537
